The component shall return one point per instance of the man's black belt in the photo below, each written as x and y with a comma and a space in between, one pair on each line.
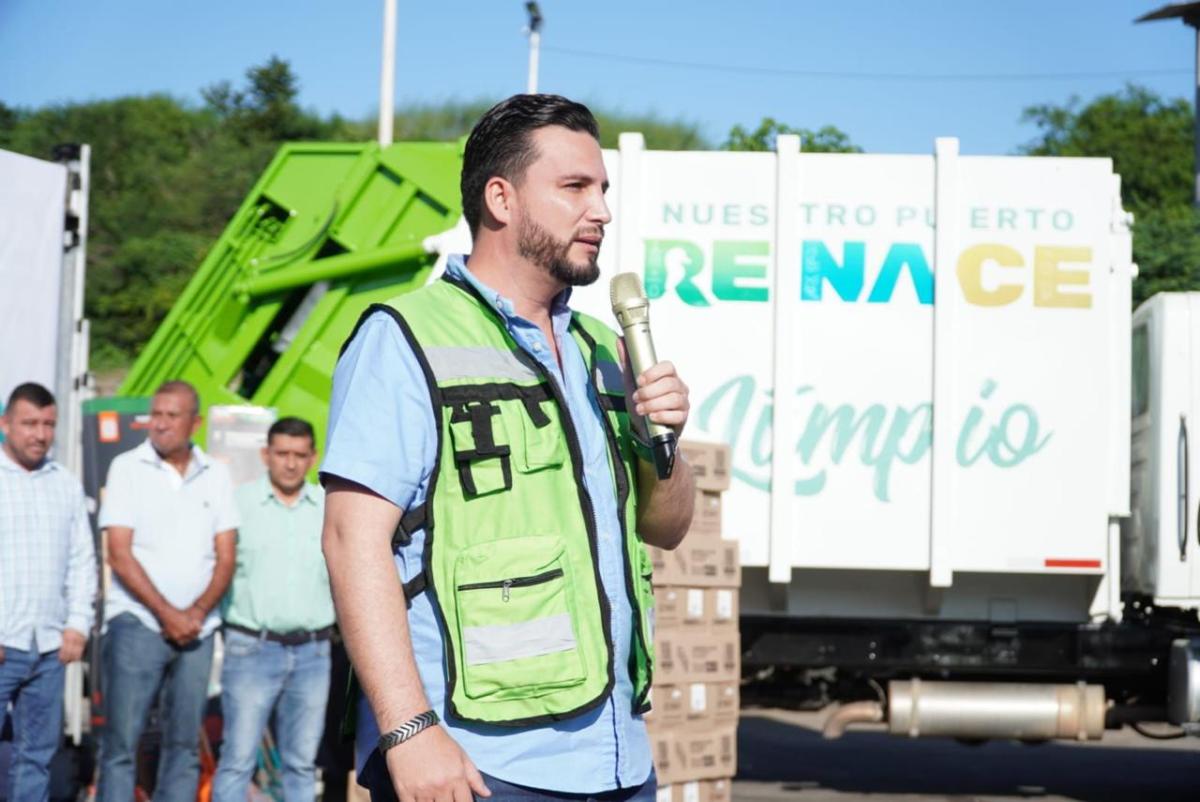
286, 638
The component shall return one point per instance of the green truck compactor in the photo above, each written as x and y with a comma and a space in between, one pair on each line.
328, 230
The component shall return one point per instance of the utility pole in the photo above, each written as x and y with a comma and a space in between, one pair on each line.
1190, 14
534, 29
387, 75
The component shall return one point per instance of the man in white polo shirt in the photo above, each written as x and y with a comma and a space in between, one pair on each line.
171, 521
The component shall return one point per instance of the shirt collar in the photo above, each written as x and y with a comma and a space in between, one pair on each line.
198, 458
560, 311
9, 464
266, 493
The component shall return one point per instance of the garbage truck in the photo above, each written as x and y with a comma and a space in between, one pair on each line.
963, 480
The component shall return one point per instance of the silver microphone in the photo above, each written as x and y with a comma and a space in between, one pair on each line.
632, 310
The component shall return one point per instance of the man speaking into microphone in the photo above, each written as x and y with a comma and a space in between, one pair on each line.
487, 501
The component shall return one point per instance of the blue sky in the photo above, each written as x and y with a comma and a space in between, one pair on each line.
55, 50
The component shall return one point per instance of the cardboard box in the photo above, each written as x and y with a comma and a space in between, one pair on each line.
695, 704
696, 791
677, 606
694, 754
668, 566
686, 655
668, 608
702, 563
725, 701
695, 607
722, 608
668, 708
711, 703
711, 464
707, 753
706, 515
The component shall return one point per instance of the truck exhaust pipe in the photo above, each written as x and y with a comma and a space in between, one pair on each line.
853, 713
983, 710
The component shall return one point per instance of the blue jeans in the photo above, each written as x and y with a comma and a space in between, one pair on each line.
375, 778
137, 662
259, 676
33, 683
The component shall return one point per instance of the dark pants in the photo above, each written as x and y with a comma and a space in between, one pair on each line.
137, 662
376, 779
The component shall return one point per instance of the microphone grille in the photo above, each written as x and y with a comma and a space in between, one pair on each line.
625, 287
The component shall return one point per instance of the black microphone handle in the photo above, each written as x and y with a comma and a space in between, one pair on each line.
663, 447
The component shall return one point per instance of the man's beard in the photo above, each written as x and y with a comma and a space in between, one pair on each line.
540, 247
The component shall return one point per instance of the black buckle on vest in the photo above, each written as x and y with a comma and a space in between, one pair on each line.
410, 522
413, 587
533, 408
480, 414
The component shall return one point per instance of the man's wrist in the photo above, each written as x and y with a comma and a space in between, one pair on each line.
407, 730
162, 611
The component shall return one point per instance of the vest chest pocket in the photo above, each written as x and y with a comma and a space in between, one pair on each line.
516, 622
481, 448
545, 445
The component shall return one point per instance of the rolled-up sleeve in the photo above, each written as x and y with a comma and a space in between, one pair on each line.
81, 571
382, 433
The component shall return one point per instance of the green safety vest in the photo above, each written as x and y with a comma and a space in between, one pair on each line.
510, 545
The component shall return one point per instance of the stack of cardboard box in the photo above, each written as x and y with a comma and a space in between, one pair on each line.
694, 700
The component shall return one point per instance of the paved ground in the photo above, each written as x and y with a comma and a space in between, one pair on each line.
783, 757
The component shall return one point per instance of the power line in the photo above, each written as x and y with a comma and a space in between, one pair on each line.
864, 76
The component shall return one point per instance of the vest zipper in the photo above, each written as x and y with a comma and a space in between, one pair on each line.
516, 582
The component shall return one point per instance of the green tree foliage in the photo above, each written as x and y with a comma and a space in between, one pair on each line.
168, 174
827, 139
445, 121
144, 231
166, 177
1149, 140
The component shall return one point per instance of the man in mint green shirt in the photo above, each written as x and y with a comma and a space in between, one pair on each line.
278, 621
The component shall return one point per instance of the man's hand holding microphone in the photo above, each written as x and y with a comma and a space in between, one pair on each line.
657, 398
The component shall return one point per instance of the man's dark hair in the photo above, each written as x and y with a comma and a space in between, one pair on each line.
33, 393
292, 427
500, 144
180, 387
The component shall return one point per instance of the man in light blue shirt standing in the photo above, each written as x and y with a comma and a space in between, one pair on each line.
533, 193
278, 621
47, 585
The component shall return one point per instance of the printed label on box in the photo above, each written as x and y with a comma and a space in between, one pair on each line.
699, 697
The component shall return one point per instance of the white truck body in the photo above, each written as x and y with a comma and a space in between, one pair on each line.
817, 273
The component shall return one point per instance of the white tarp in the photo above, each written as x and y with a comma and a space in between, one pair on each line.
32, 201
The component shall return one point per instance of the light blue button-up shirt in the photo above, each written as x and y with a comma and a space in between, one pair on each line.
47, 556
382, 435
